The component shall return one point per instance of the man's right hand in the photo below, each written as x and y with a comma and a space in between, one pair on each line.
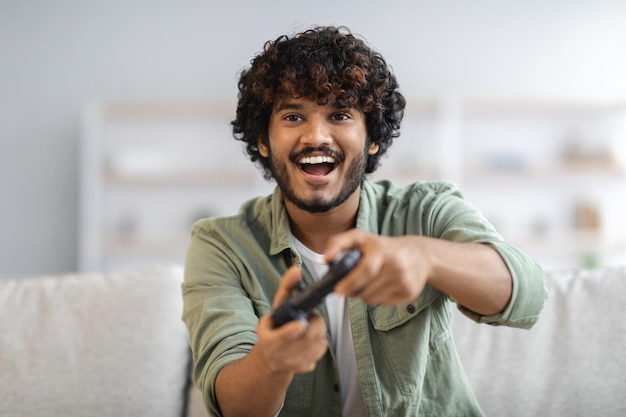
294, 347
257, 383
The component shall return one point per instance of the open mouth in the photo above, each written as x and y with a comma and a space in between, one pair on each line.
317, 165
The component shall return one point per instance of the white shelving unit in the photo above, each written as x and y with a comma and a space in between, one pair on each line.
149, 170
549, 173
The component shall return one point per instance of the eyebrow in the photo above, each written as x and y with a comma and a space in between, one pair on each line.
287, 105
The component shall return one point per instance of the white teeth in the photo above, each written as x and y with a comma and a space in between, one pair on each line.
317, 160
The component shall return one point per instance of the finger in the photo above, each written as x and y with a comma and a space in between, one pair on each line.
315, 338
352, 239
362, 276
293, 330
277, 344
301, 353
288, 283
354, 283
317, 326
313, 329
382, 296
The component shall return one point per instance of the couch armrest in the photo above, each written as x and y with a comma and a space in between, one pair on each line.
93, 345
570, 363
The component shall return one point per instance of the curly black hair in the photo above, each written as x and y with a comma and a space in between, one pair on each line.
318, 64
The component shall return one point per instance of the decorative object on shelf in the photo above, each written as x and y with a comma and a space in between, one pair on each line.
580, 153
588, 217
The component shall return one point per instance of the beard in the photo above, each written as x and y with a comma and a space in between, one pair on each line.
353, 179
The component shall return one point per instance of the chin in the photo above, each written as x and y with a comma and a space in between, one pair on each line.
316, 203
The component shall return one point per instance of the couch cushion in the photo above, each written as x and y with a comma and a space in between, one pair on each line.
571, 363
93, 345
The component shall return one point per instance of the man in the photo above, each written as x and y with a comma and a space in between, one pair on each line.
317, 112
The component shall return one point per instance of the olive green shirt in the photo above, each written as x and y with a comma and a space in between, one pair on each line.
406, 358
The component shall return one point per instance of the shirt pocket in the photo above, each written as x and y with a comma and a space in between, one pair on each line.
401, 339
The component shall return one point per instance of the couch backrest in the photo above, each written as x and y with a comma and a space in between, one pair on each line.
571, 363
114, 345
93, 345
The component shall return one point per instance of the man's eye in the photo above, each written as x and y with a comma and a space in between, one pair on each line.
340, 116
292, 118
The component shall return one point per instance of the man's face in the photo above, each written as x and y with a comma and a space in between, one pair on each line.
317, 152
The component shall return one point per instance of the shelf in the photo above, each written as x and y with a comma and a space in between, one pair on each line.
558, 173
569, 242
130, 246
572, 249
159, 111
226, 177
540, 105
507, 154
402, 174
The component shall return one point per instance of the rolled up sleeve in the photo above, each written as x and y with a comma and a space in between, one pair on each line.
529, 290
219, 315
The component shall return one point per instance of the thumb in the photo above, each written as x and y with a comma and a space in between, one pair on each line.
287, 284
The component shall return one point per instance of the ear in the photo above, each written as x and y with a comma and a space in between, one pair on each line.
263, 149
374, 148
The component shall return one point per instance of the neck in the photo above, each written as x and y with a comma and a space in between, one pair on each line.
314, 229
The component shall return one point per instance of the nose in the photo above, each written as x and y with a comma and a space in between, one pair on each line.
317, 132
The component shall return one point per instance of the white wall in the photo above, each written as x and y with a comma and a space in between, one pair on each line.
55, 55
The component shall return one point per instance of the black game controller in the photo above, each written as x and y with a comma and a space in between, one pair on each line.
300, 305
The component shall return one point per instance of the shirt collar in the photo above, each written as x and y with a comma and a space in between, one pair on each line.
280, 229
367, 217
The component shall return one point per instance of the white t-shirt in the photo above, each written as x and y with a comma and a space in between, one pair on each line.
341, 337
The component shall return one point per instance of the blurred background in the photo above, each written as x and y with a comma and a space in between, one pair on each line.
114, 119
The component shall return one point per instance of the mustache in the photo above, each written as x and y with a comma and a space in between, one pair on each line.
309, 150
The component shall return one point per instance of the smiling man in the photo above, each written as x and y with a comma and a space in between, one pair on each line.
303, 133
317, 111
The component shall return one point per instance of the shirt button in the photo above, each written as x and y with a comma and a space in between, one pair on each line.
336, 387
410, 309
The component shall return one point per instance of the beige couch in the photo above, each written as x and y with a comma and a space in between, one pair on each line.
95, 345
571, 363
114, 345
